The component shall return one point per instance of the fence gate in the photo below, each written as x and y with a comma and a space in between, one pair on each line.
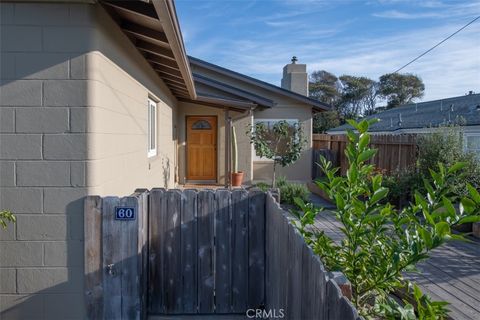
206, 251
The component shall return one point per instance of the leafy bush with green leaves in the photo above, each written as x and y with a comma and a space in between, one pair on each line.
381, 242
6, 217
289, 191
402, 185
446, 146
422, 303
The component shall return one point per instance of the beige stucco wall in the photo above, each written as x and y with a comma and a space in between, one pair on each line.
190, 109
121, 84
73, 109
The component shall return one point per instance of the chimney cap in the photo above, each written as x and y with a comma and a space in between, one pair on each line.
294, 59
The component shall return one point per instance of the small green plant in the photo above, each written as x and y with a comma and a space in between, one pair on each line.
6, 217
282, 142
263, 186
381, 242
289, 191
422, 303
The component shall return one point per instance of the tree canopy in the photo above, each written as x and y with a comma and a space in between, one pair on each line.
399, 89
353, 97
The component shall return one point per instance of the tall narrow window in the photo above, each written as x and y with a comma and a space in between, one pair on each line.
152, 128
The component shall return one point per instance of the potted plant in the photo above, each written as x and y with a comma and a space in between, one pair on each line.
237, 176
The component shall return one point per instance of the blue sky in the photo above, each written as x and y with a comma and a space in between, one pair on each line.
364, 38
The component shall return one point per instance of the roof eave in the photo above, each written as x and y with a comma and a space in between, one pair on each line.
166, 12
317, 105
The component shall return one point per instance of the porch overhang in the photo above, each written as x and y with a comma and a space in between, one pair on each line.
221, 102
237, 92
153, 28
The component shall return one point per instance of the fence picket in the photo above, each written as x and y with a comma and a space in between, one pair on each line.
112, 259
156, 277
129, 266
223, 258
142, 248
239, 250
189, 250
206, 208
333, 295
172, 244
294, 296
256, 249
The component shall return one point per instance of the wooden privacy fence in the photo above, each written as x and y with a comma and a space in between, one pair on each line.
207, 251
296, 278
202, 252
395, 152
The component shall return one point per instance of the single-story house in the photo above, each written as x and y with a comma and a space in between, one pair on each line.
100, 97
428, 116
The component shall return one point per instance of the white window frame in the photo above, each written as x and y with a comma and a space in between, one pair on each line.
466, 135
152, 128
256, 158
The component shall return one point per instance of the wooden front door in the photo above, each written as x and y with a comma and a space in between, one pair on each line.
201, 148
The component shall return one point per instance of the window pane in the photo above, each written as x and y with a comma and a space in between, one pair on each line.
201, 125
152, 128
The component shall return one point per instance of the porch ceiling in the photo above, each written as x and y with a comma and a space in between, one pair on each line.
153, 28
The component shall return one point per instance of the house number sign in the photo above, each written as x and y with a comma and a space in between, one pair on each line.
124, 213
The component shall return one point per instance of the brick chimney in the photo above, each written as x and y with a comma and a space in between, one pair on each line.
295, 77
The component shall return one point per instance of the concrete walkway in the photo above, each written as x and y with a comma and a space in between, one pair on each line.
452, 273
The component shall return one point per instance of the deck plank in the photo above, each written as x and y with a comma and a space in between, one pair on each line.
452, 273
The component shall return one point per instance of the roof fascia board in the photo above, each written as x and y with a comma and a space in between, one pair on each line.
166, 12
262, 84
229, 89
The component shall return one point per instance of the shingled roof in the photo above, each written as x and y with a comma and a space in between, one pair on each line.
463, 110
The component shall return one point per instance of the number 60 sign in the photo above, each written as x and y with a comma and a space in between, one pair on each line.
124, 213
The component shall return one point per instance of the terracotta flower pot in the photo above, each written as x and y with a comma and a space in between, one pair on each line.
237, 179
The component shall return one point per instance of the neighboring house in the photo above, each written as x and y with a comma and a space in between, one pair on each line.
424, 117
99, 97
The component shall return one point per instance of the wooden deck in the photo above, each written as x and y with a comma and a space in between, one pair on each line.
452, 273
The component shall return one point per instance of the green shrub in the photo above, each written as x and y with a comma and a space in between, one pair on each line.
445, 146
381, 242
402, 185
289, 191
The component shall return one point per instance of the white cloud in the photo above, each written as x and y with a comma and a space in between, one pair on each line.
449, 70
395, 14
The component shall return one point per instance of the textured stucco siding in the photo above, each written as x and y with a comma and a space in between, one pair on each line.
121, 84
42, 167
73, 110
